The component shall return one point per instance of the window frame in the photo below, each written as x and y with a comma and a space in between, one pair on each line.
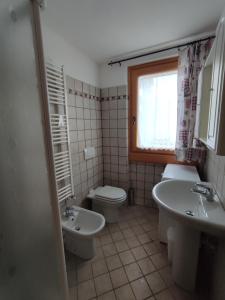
135, 153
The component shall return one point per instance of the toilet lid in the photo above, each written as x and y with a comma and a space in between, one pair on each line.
110, 193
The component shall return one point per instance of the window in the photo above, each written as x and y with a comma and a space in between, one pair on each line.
153, 111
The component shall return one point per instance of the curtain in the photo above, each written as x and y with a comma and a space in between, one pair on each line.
191, 60
157, 111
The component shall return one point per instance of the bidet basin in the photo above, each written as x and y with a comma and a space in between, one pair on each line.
83, 222
193, 209
79, 229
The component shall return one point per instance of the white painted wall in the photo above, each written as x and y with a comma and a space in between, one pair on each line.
77, 64
30, 254
116, 75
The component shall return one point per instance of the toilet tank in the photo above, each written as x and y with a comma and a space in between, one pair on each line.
178, 172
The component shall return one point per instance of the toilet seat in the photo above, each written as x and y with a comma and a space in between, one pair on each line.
107, 200
109, 194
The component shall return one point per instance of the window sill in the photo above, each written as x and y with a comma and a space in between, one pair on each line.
157, 158
153, 157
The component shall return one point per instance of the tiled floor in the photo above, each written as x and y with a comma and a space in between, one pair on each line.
130, 263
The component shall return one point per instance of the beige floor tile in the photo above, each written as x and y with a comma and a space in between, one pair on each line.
124, 293
151, 248
164, 295
128, 233
97, 241
141, 289
132, 223
107, 296
84, 272
159, 260
155, 282
117, 236
121, 246
154, 234
146, 265
133, 242
126, 257
98, 255
144, 238
166, 274
118, 277
86, 290
138, 230
103, 284
104, 231
113, 227
133, 271
160, 246
99, 267
105, 239
109, 249
148, 227
113, 262
139, 252
143, 220
123, 225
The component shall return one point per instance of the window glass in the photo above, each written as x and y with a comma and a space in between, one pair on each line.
157, 111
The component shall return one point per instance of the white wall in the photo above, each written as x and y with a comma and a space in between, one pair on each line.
77, 64
30, 251
116, 75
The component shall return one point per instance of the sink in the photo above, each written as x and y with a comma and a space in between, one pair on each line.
190, 214
176, 197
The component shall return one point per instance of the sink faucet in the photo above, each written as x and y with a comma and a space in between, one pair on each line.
205, 190
68, 212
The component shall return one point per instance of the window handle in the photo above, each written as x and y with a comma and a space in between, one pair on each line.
133, 120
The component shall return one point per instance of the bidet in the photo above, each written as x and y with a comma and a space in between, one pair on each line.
80, 226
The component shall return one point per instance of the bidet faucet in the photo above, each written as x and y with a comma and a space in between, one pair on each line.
68, 212
204, 190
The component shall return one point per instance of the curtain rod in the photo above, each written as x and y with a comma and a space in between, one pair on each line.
119, 61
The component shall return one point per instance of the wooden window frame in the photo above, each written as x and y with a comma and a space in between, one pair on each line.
135, 153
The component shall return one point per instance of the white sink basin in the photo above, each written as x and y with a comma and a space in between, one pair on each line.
177, 199
190, 214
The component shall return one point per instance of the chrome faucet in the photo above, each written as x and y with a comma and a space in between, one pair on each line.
68, 212
205, 190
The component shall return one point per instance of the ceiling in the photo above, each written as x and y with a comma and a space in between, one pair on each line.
108, 28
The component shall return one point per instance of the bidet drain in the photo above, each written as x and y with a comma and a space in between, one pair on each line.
189, 213
77, 228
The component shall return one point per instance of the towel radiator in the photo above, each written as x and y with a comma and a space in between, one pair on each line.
59, 124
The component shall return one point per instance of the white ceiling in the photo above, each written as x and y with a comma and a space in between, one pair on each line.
108, 28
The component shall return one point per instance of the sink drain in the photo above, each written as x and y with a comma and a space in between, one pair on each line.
189, 213
77, 228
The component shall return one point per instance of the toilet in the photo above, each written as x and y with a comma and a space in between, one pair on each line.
107, 200
178, 172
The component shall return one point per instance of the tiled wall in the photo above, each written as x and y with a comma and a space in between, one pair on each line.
143, 177
114, 105
102, 121
215, 173
84, 112
117, 170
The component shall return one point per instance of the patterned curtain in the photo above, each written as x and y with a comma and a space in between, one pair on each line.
191, 60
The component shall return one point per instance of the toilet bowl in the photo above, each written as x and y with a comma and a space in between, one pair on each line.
79, 230
107, 201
